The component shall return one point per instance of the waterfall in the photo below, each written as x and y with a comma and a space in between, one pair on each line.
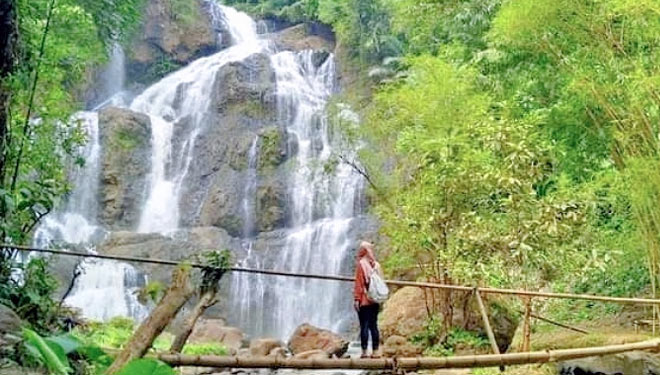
322, 204
75, 223
318, 240
185, 94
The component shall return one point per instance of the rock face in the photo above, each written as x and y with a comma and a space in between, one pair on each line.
181, 245
10, 329
307, 338
641, 363
306, 36
244, 113
406, 313
125, 161
172, 34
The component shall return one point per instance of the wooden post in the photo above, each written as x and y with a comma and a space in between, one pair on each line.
175, 297
205, 301
484, 316
527, 330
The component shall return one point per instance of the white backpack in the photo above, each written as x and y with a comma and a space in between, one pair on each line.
377, 290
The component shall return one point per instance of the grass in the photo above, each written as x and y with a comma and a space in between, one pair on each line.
116, 332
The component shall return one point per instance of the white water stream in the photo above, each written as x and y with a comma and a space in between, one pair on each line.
322, 205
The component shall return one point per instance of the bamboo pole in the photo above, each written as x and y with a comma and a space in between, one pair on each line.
558, 324
515, 292
527, 329
407, 364
487, 327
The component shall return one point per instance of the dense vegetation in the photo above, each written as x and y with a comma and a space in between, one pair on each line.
509, 143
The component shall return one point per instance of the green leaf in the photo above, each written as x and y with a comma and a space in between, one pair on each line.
146, 366
50, 353
95, 354
68, 343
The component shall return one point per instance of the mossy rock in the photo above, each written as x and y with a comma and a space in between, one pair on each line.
271, 149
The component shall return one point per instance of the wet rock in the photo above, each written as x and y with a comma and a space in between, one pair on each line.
641, 363
305, 36
308, 338
180, 245
263, 347
170, 38
215, 330
243, 100
248, 84
271, 205
125, 137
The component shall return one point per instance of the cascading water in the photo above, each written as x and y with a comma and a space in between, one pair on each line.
322, 204
185, 94
323, 208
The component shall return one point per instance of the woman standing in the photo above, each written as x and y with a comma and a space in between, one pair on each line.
367, 309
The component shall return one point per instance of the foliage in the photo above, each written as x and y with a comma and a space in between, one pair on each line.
30, 295
114, 334
48, 352
59, 354
146, 366
518, 144
205, 349
53, 63
435, 344
217, 263
152, 292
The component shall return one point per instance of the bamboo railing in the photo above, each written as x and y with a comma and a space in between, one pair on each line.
407, 364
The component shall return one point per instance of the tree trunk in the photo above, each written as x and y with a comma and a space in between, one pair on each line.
205, 301
175, 297
8, 48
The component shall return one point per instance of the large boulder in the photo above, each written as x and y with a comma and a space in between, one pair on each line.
305, 37
265, 346
125, 161
307, 338
214, 330
406, 314
171, 36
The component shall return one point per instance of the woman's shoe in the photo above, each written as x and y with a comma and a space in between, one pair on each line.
364, 355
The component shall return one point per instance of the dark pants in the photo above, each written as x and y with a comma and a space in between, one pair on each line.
369, 323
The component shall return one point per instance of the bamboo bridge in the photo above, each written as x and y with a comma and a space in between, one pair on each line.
398, 364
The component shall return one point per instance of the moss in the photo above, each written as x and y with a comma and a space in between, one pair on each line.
125, 139
270, 149
232, 224
250, 108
